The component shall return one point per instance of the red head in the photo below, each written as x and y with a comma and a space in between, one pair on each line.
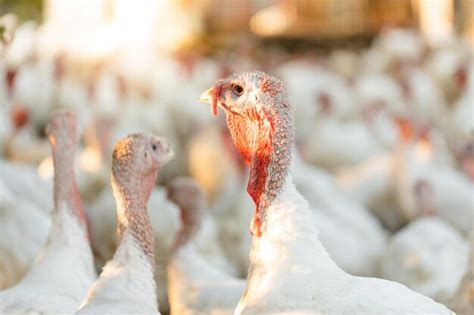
19, 116
405, 129
260, 120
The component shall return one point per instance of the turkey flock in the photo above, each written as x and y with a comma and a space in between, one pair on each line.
338, 183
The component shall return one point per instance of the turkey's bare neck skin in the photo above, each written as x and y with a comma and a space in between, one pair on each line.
132, 216
191, 218
66, 195
270, 159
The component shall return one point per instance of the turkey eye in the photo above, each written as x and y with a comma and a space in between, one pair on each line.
238, 89
153, 147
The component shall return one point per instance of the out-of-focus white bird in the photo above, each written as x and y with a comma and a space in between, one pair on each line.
449, 66
315, 92
126, 284
58, 280
460, 131
379, 98
216, 166
401, 45
333, 144
24, 182
24, 228
357, 250
165, 223
103, 219
35, 88
428, 256
206, 240
195, 285
427, 103
426, 185
371, 184
22, 48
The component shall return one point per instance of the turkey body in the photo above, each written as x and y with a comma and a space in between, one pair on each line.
292, 273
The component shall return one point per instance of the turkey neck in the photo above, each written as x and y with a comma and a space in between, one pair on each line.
266, 142
191, 218
66, 195
132, 215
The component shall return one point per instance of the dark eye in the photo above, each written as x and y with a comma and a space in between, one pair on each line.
237, 89
153, 147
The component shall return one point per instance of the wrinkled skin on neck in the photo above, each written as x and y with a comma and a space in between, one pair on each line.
134, 170
261, 125
62, 136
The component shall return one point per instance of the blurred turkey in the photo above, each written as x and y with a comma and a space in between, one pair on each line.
429, 256
328, 132
424, 184
359, 248
67, 247
461, 126
196, 285
164, 218
216, 166
126, 283
24, 229
206, 240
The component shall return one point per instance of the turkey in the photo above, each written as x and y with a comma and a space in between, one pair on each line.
371, 184
24, 228
378, 97
424, 184
358, 250
327, 93
326, 129
427, 103
126, 284
23, 181
428, 256
392, 48
196, 286
461, 125
22, 143
206, 240
217, 167
290, 271
63, 270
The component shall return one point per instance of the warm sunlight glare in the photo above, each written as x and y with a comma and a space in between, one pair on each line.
46, 169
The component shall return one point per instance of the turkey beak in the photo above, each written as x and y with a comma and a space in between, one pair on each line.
206, 96
210, 96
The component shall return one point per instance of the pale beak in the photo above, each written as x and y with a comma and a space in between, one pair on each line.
206, 96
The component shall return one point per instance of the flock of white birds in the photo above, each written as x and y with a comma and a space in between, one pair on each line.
385, 159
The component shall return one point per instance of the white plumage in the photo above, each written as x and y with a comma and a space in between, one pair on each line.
58, 280
292, 273
24, 229
63, 270
114, 292
429, 256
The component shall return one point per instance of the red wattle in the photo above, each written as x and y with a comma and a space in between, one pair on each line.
216, 91
214, 107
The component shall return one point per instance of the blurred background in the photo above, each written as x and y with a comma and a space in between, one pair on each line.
382, 92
